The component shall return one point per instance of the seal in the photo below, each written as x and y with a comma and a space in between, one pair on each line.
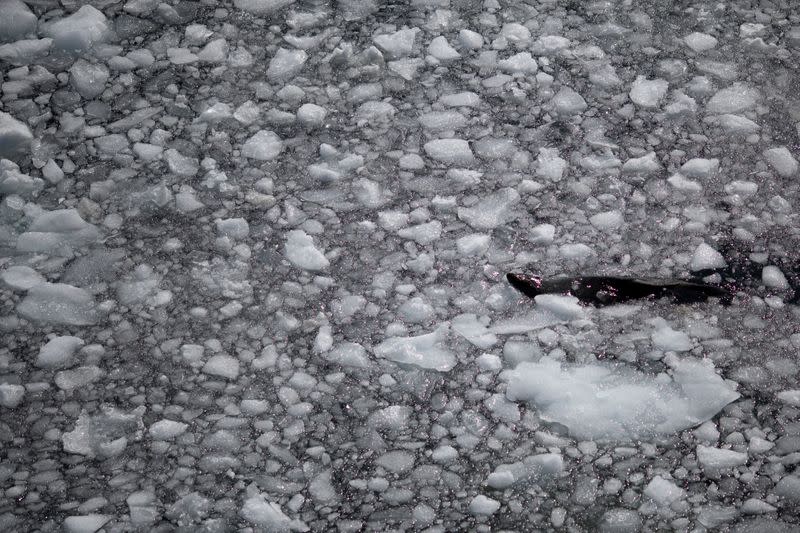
609, 290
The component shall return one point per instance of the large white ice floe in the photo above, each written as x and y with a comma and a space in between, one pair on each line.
612, 401
426, 351
59, 303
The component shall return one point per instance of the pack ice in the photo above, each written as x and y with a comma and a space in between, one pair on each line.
612, 401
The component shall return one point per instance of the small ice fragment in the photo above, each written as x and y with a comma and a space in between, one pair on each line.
286, 64
59, 303
493, 211
11, 395
58, 352
782, 160
441, 49
700, 42
397, 44
567, 103
450, 151
648, 93
15, 137
608, 221
80, 31
302, 253
89, 523
483, 506
470, 40
734, 99
705, 257
263, 146
426, 351
262, 7
667, 339
17, 21
221, 365
166, 429
21, 278
663, 491
717, 458
772, 277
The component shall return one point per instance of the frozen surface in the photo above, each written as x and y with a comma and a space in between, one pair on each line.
253, 258
610, 401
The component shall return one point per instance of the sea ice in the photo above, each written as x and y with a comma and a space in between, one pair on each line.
58, 352
397, 44
428, 351
734, 99
80, 31
450, 151
58, 303
262, 7
700, 42
21, 278
15, 137
782, 160
717, 458
17, 21
302, 253
263, 146
286, 64
567, 103
615, 402
648, 93
491, 212
705, 257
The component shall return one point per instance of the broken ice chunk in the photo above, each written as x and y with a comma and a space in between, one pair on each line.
700, 42
397, 44
441, 49
550, 165
17, 21
426, 351
734, 99
79, 31
262, 7
450, 151
88, 523
616, 402
286, 64
58, 352
469, 327
221, 365
15, 137
648, 93
567, 103
88, 79
772, 277
663, 492
21, 277
267, 515
718, 458
302, 253
264, 146
700, 168
58, 303
493, 211
642, 166
782, 160
348, 354
705, 257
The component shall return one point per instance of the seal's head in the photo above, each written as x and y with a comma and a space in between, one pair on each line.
526, 284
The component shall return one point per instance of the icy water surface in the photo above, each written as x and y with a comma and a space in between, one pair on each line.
253, 258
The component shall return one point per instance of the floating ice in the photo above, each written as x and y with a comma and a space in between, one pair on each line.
716, 458
89, 523
550, 165
58, 303
397, 44
262, 7
772, 277
442, 120
482, 505
15, 137
567, 103
494, 210
11, 395
78, 378
469, 327
79, 31
224, 366
450, 151
616, 402
17, 21
426, 351
58, 352
705, 257
441, 49
700, 42
663, 492
700, 168
646, 165
470, 40
104, 434
648, 93
667, 339
286, 64
782, 160
167, 429
268, 515
302, 253
348, 354
21, 278
608, 221
533, 469
734, 99
264, 146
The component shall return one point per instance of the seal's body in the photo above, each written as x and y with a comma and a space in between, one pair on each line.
608, 290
